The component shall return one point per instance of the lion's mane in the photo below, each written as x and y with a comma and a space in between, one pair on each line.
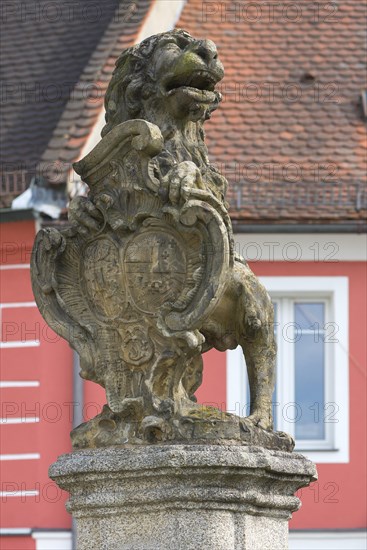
133, 81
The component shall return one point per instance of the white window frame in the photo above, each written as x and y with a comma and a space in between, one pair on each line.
53, 540
335, 292
327, 540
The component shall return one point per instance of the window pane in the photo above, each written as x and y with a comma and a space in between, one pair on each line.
309, 370
309, 315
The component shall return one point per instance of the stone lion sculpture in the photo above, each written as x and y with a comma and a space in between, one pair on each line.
152, 249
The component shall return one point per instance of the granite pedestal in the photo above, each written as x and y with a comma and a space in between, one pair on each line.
182, 497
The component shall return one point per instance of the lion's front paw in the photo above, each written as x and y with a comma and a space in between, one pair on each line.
85, 215
182, 179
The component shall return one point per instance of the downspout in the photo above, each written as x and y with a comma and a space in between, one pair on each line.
78, 404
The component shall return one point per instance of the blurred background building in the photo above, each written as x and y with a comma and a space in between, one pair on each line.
290, 136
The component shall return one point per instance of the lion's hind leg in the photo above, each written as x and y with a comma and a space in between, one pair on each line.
256, 317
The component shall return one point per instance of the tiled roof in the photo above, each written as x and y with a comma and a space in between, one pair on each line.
55, 63
45, 47
82, 111
290, 134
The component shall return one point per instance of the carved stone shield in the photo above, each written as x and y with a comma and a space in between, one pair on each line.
131, 297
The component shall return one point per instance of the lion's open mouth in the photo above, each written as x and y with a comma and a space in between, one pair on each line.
203, 81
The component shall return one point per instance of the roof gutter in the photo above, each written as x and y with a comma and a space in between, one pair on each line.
240, 227
12, 215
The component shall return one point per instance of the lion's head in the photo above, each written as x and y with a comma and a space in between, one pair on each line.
168, 77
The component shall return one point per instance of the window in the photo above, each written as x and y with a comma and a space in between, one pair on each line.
311, 395
303, 400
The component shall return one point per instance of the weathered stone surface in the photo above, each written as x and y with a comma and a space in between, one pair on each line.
182, 497
146, 280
